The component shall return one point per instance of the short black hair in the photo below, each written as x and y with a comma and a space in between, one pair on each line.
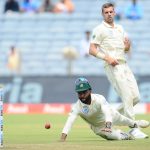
107, 5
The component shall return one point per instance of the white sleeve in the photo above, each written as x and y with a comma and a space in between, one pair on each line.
72, 117
69, 123
125, 34
106, 109
96, 36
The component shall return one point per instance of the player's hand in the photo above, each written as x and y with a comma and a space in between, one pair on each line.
110, 60
62, 140
106, 130
63, 137
127, 45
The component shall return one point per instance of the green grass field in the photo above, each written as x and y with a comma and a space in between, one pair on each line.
27, 132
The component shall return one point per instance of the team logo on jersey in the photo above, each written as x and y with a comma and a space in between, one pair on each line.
85, 109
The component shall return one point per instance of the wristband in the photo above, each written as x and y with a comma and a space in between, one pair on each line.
100, 55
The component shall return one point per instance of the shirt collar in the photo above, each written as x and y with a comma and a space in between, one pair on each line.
109, 26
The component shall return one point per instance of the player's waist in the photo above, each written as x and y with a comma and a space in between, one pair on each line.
121, 61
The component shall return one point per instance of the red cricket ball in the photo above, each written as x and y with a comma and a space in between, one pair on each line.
47, 126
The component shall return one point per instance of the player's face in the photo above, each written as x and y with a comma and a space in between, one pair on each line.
108, 14
85, 96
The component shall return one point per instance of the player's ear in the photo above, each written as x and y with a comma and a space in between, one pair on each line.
102, 13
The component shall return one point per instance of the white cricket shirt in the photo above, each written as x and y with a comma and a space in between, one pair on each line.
110, 40
96, 114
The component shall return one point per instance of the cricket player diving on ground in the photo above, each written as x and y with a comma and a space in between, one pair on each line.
95, 110
109, 42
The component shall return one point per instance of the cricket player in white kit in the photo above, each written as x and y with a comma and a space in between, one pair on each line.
95, 110
110, 43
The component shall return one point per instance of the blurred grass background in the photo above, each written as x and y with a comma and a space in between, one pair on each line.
27, 132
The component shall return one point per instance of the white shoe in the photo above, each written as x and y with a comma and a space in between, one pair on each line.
137, 134
143, 123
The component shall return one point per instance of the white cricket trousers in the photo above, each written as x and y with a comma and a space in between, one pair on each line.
116, 134
124, 83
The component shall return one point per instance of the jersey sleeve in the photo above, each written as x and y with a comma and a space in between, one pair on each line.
96, 37
125, 35
106, 109
71, 119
